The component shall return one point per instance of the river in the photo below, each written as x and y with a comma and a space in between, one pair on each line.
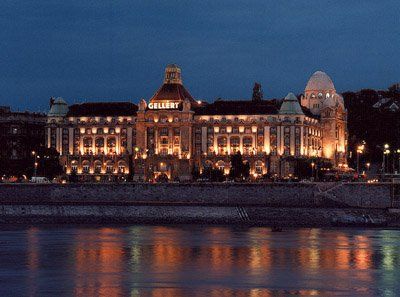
175, 261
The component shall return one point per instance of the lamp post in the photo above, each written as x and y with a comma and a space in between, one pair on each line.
35, 163
386, 151
312, 170
360, 150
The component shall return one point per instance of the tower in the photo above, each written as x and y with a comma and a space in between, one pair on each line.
172, 74
319, 87
321, 98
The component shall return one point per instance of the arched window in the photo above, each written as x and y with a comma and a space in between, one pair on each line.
97, 166
247, 145
235, 144
87, 145
99, 143
85, 166
259, 167
220, 165
222, 142
74, 166
109, 167
111, 142
121, 167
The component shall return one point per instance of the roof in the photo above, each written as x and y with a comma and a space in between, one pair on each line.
103, 109
172, 91
59, 108
238, 107
319, 81
290, 105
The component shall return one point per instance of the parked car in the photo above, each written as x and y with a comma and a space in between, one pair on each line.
40, 180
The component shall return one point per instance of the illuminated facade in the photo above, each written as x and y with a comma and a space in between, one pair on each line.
173, 133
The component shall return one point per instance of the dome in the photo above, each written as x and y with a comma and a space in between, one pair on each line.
319, 81
290, 105
59, 108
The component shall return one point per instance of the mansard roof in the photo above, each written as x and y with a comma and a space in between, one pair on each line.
172, 92
102, 109
238, 107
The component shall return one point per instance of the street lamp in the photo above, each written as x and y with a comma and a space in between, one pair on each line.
35, 163
386, 151
360, 150
312, 169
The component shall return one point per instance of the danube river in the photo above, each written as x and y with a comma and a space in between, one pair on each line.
175, 261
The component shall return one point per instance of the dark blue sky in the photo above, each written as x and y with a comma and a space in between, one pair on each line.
117, 50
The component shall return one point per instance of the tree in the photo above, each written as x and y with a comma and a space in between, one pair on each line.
195, 172
239, 169
246, 170
48, 163
257, 92
236, 170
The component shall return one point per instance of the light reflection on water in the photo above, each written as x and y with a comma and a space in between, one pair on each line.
197, 261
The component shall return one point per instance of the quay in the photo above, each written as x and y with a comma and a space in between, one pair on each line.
269, 204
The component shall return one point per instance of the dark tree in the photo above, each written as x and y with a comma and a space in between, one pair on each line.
257, 92
236, 171
48, 163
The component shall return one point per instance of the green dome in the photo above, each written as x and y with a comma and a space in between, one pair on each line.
59, 108
290, 105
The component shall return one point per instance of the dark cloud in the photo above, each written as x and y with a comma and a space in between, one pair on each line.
116, 50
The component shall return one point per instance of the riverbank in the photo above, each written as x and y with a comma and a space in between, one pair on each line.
195, 214
280, 205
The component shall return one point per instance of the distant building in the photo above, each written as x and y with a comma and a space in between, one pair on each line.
172, 133
20, 134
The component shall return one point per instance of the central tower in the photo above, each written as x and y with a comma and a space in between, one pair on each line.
172, 74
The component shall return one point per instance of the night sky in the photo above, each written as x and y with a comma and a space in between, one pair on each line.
117, 50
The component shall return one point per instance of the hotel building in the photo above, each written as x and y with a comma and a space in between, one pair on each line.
172, 133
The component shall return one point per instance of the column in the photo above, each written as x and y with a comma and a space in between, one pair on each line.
129, 140
302, 140
267, 144
71, 140
278, 140
292, 141
204, 139
58, 147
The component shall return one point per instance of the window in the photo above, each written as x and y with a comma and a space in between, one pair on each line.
222, 142
247, 145
121, 168
109, 168
221, 165
259, 167
85, 168
97, 167
235, 144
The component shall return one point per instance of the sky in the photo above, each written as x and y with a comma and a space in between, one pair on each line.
116, 50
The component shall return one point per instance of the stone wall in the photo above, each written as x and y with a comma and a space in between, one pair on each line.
268, 194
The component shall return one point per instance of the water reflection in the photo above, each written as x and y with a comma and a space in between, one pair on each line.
199, 261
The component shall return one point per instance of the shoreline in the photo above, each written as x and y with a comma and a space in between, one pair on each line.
281, 217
